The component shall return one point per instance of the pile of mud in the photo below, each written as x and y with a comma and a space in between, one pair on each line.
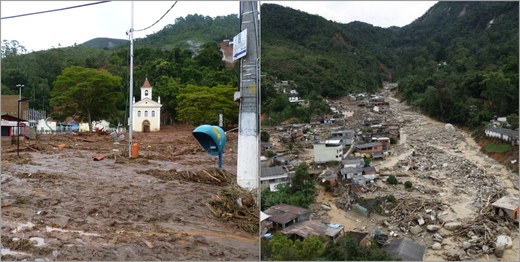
238, 206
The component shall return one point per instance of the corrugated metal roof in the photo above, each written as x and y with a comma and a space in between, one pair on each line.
306, 228
283, 213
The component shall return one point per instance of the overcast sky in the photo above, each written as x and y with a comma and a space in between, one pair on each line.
113, 19
378, 13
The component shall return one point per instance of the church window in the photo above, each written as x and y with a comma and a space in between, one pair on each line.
145, 92
153, 113
145, 113
138, 113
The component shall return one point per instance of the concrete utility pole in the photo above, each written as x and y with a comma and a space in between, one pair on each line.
248, 160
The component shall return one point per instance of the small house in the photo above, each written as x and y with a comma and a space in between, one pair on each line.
270, 177
353, 162
267, 146
283, 215
369, 147
304, 229
350, 172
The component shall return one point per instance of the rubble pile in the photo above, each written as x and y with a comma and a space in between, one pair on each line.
236, 205
318, 211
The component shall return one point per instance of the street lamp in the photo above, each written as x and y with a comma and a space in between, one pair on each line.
18, 125
20, 90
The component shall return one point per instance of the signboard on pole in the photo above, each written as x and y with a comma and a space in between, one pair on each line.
240, 45
221, 120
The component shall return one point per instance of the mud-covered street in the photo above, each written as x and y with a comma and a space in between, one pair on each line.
60, 204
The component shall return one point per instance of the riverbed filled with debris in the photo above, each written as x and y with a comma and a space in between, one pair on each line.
451, 206
81, 197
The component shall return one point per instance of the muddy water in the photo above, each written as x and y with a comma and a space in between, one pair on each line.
80, 209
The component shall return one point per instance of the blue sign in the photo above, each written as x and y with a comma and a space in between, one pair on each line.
240, 45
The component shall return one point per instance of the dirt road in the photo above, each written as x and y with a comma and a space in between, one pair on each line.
59, 204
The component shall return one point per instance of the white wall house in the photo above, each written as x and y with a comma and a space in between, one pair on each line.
43, 127
146, 112
331, 150
503, 134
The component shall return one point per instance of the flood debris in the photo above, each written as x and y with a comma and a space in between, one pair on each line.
213, 176
238, 206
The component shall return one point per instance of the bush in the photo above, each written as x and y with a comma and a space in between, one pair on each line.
392, 180
264, 136
391, 198
408, 185
270, 153
393, 141
306, 130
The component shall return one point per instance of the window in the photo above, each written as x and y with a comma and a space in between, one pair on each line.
138, 113
145, 92
145, 113
153, 113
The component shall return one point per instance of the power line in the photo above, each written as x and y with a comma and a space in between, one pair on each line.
54, 10
159, 18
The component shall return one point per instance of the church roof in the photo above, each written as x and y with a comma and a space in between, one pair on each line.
146, 103
146, 83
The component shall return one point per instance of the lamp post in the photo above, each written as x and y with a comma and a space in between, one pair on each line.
20, 91
18, 125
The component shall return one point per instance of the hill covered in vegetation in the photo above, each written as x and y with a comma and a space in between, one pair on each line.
458, 62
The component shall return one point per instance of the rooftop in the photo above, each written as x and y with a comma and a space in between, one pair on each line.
306, 228
405, 249
368, 145
283, 213
272, 171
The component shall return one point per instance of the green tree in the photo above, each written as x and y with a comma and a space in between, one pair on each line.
347, 248
85, 93
512, 119
264, 136
392, 180
280, 248
168, 89
195, 104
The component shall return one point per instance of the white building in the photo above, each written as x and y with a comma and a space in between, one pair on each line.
146, 113
331, 150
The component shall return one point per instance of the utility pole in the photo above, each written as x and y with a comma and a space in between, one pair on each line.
248, 159
131, 101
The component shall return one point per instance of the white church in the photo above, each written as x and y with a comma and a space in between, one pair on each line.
146, 113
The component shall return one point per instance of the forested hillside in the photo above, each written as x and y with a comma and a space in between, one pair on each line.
170, 65
458, 62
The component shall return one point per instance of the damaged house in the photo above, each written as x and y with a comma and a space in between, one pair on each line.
283, 215
506, 206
